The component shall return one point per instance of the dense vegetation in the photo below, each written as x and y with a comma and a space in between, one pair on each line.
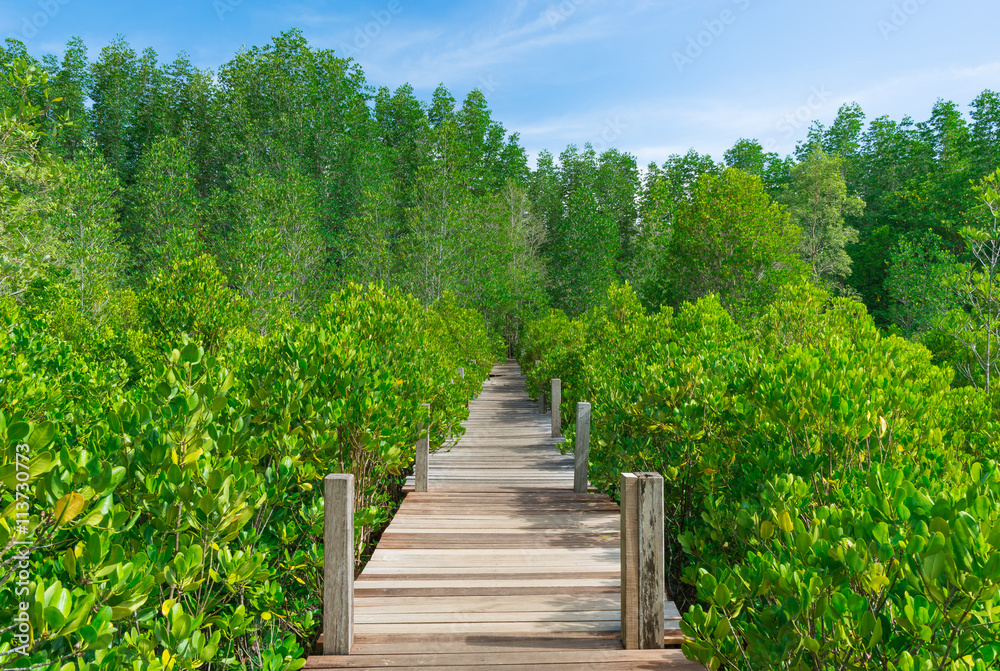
178, 520
215, 287
831, 501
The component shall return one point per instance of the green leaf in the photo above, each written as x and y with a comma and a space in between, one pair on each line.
41, 436
17, 431
69, 561
934, 565
881, 532
722, 595
54, 617
126, 608
191, 353
723, 629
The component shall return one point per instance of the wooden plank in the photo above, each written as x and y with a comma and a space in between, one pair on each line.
521, 617
470, 573
487, 627
536, 656
523, 641
514, 642
376, 589
493, 582
393, 568
480, 555
481, 604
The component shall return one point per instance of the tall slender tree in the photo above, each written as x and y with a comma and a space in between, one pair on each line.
818, 201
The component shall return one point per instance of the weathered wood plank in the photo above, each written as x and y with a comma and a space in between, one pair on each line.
495, 604
535, 656
548, 626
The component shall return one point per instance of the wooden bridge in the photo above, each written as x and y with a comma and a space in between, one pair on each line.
500, 565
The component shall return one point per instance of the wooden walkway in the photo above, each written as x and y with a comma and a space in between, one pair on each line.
500, 565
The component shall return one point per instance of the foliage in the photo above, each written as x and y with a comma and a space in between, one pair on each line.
28, 177
750, 157
192, 298
163, 207
977, 325
177, 522
817, 200
919, 266
274, 250
831, 502
730, 238
587, 204
203, 304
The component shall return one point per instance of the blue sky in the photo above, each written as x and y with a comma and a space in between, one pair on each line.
650, 77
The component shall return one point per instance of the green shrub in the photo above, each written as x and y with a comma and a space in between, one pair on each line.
831, 501
178, 521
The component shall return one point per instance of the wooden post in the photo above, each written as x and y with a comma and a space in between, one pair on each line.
580, 475
642, 569
556, 400
541, 395
338, 564
422, 459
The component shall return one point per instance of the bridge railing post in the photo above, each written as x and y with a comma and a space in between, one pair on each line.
582, 448
642, 568
556, 400
541, 395
421, 461
338, 564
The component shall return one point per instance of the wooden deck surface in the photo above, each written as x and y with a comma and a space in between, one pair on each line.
500, 565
